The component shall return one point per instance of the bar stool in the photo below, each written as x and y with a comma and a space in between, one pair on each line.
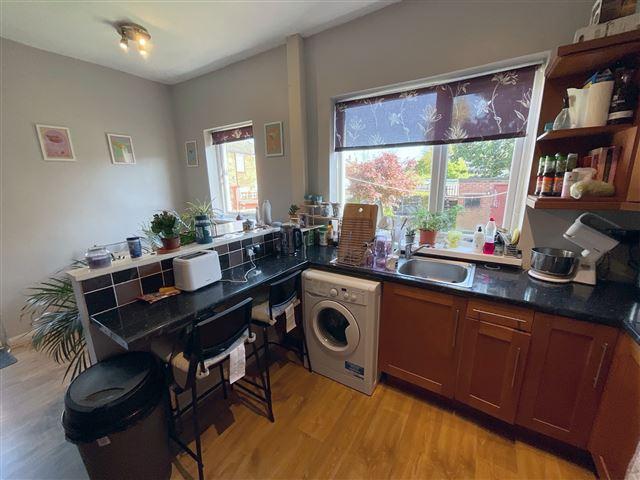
209, 342
283, 293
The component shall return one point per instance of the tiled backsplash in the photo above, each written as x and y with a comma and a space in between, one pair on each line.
122, 287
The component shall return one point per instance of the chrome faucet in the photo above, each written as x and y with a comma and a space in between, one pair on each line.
409, 249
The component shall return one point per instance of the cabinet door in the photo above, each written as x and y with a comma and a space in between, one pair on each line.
419, 336
567, 369
492, 361
616, 431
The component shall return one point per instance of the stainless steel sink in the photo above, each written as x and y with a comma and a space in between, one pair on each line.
441, 271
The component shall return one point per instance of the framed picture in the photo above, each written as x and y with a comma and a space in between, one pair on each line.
121, 149
191, 149
55, 143
273, 139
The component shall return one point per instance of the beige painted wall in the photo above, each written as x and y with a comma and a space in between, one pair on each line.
53, 211
417, 39
254, 89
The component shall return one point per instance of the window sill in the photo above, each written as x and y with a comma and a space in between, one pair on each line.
464, 253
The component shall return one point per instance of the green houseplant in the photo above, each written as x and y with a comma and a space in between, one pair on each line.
167, 226
293, 212
430, 223
55, 323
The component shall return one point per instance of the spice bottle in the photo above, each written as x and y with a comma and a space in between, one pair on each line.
561, 167
548, 178
540, 176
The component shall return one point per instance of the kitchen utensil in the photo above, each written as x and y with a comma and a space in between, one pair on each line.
553, 264
586, 232
358, 228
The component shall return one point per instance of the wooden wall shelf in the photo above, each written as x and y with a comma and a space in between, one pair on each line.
556, 203
582, 132
586, 57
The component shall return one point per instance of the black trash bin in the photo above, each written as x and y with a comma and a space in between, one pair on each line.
115, 412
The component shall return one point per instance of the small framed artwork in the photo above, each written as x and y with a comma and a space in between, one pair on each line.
121, 149
55, 143
191, 148
273, 139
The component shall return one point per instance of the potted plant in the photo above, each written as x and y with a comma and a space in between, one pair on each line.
56, 326
167, 226
429, 224
293, 213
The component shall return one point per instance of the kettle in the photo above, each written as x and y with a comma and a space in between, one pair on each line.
290, 238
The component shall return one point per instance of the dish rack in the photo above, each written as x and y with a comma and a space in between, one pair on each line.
358, 228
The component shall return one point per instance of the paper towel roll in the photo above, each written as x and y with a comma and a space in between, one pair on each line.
596, 108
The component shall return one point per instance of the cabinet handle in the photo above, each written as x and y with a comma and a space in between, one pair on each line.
605, 346
455, 328
499, 315
515, 368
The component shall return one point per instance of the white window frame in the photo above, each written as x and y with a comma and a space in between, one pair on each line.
216, 173
523, 148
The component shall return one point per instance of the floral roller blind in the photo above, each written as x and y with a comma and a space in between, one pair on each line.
488, 107
232, 135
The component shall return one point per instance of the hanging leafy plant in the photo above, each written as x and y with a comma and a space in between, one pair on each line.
55, 323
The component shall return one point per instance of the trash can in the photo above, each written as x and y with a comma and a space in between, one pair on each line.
116, 413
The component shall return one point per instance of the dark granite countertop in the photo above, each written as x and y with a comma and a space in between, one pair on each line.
607, 303
132, 325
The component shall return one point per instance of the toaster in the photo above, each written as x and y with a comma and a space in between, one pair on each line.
196, 270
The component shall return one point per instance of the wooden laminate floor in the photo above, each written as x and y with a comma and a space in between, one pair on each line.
322, 430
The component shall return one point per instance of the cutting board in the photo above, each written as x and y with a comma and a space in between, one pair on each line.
358, 229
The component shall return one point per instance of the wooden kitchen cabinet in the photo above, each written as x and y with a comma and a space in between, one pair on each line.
419, 336
565, 375
492, 362
616, 431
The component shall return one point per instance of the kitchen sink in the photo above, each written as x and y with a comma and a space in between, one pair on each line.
441, 271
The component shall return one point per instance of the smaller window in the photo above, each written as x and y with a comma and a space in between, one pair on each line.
236, 182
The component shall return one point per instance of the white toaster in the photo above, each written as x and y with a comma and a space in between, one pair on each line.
196, 270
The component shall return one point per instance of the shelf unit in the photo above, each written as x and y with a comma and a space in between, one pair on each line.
571, 67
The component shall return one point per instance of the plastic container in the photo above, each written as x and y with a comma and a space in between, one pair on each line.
115, 412
489, 237
135, 247
478, 239
98, 257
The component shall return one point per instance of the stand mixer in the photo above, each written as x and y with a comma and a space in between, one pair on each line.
586, 232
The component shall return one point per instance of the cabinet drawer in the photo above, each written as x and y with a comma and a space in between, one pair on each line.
506, 315
419, 294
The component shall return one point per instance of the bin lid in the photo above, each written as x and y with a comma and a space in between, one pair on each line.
111, 395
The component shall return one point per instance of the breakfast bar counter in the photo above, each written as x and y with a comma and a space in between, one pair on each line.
132, 325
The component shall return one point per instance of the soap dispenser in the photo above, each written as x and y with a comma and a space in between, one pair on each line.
478, 240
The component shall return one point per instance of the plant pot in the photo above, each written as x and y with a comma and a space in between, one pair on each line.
428, 237
172, 243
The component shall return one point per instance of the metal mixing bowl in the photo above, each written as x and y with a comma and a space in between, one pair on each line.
554, 261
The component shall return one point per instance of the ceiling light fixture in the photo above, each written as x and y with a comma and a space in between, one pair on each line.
136, 34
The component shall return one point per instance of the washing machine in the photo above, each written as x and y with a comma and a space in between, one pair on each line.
341, 319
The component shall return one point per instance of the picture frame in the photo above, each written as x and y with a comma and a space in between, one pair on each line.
121, 149
191, 152
55, 143
273, 139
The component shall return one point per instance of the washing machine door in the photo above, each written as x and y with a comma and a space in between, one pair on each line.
334, 328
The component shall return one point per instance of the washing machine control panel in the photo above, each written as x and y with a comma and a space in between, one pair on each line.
343, 294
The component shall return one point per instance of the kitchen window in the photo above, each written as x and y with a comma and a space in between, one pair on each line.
459, 143
232, 169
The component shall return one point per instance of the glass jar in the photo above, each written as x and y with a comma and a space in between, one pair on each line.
98, 257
